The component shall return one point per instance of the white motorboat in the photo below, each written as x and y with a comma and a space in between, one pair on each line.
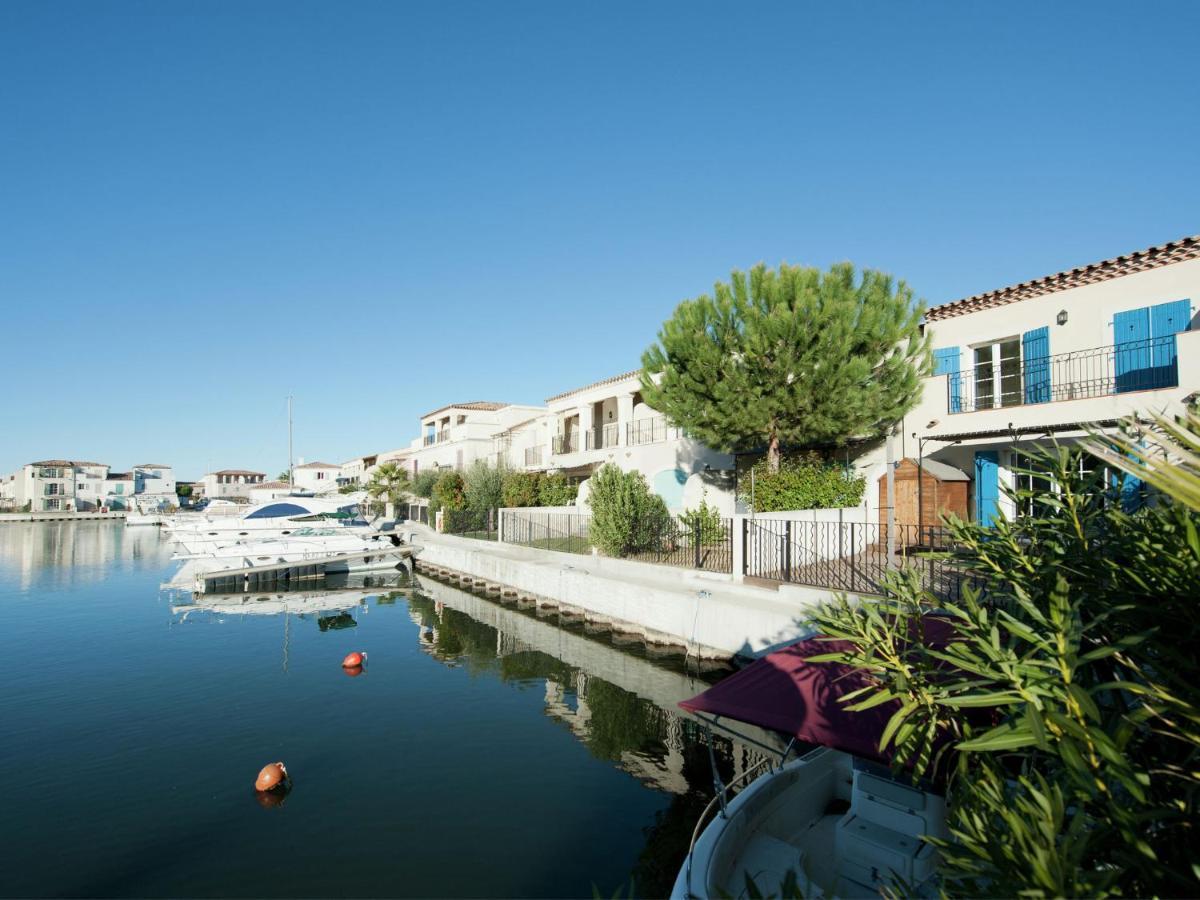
275, 518
832, 823
139, 518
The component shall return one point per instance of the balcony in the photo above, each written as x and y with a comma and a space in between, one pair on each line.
440, 438
649, 431
565, 443
604, 438
1133, 366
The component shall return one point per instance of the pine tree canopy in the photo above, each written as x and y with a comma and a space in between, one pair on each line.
793, 356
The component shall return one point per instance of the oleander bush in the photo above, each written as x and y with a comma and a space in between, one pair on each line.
520, 488
449, 492
1071, 692
555, 490
626, 517
804, 481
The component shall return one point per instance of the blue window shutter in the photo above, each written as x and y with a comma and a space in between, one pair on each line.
945, 362
987, 486
1035, 349
1131, 340
1166, 320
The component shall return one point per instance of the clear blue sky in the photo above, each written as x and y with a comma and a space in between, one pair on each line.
381, 207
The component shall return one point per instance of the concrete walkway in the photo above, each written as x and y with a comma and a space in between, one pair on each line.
703, 613
59, 516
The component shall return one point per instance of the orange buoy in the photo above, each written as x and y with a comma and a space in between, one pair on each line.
354, 660
353, 671
271, 777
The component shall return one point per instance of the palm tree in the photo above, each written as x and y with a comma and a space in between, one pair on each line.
389, 482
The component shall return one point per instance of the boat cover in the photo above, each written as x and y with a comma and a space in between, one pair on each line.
785, 693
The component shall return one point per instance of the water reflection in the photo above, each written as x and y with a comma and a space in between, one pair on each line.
617, 703
69, 551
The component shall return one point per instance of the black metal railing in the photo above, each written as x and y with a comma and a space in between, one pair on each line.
848, 556
565, 443
685, 541
472, 523
604, 437
418, 512
1098, 372
649, 431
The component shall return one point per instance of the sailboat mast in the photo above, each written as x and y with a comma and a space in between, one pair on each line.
291, 464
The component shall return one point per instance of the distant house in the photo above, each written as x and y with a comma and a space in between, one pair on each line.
155, 480
269, 490
231, 484
53, 485
119, 489
318, 477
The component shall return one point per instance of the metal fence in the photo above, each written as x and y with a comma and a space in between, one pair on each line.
848, 556
472, 523
674, 541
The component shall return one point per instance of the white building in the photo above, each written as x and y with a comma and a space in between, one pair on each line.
155, 481
454, 436
231, 484
1047, 359
318, 477
608, 422
269, 490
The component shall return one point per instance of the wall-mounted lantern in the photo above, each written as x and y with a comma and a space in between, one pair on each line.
1062, 317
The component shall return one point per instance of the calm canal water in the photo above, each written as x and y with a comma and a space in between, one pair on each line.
484, 751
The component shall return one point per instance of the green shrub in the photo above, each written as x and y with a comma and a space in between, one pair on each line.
483, 486
449, 492
802, 482
520, 488
706, 523
626, 517
423, 484
555, 490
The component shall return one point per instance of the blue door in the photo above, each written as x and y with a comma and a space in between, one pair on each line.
987, 486
1035, 349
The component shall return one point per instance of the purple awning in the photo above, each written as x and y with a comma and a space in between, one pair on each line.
784, 693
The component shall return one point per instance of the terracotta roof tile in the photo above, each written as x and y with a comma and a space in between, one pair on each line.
1105, 270
595, 384
484, 405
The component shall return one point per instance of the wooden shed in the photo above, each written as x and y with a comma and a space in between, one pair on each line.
941, 488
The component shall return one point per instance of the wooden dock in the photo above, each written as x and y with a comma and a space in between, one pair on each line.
286, 574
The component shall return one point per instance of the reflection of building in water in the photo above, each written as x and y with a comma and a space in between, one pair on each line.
72, 551
621, 707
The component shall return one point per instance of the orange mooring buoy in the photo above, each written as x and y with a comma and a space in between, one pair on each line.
271, 777
354, 660
353, 671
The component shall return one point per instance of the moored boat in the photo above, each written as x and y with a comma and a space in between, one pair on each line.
833, 823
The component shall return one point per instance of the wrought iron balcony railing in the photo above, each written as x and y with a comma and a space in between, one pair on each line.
1132, 366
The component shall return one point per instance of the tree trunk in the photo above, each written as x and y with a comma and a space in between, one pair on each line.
773, 456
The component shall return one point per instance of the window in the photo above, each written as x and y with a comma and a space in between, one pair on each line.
998, 374
53, 488
320, 476
50, 473
52, 503
1032, 486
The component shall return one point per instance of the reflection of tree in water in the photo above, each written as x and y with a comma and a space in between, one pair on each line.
664, 750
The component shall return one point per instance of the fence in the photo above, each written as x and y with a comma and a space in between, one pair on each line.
847, 556
673, 541
472, 523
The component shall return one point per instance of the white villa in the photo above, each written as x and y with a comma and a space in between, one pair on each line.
1046, 359
53, 485
454, 436
231, 484
318, 477
608, 422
